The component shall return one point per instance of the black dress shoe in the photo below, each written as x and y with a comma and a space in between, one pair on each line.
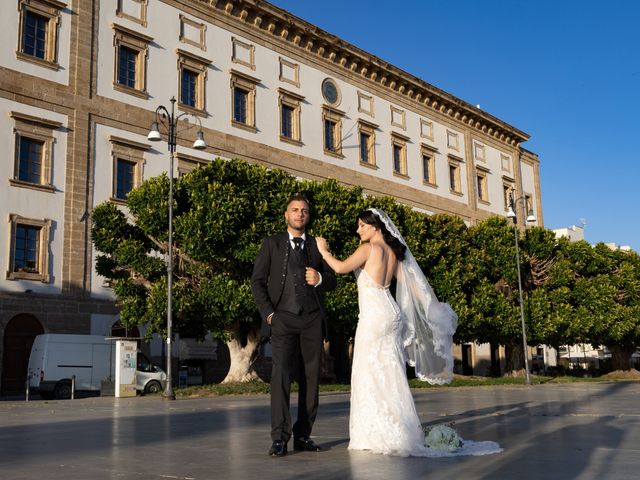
306, 445
278, 449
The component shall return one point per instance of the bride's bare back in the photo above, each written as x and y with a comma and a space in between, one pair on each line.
381, 263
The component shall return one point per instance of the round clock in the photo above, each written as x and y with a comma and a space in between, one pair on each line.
330, 91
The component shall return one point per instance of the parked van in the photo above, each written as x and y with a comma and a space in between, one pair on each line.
55, 358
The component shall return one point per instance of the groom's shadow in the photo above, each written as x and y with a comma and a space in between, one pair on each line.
334, 443
325, 446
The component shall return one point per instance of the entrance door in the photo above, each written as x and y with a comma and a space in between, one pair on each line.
18, 338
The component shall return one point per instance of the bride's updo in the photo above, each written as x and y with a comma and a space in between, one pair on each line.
371, 218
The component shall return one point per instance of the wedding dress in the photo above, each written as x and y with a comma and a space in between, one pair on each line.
383, 415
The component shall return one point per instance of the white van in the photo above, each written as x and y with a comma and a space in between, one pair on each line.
55, 358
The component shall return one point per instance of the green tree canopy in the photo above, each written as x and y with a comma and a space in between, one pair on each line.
573, 292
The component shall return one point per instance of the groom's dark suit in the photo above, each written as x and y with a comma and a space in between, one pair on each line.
279, 288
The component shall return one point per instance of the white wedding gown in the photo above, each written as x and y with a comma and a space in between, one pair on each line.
383, 415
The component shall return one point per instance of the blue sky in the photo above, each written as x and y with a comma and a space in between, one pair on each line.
567, 72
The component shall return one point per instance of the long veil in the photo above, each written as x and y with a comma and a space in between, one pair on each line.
428, 324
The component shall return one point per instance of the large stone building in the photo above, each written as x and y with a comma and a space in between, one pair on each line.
81, 80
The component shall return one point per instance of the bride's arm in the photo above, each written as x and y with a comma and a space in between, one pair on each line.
355, 260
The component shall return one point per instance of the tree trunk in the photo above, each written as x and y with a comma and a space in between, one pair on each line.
242, 356
514, 359
494, 369
621, 357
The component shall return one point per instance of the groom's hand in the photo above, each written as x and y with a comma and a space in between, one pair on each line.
312, 277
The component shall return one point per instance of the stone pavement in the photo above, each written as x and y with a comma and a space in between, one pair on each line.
570, 431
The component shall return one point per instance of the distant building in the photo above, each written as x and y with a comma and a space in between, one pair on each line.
622, 248
576, 234
573, 233
80, 84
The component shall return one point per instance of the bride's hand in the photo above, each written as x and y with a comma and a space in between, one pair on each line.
323, 246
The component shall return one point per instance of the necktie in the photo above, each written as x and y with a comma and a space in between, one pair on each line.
297, 241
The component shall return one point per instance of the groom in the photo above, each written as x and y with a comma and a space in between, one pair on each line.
287, 278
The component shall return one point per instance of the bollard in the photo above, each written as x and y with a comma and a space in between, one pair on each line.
26, 390
73, 386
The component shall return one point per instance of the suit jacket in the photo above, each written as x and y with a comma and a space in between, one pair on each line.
270, 270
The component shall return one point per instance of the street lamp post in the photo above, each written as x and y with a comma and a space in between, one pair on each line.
170, 121
530, 218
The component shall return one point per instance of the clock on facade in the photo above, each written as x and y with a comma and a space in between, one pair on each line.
330, 91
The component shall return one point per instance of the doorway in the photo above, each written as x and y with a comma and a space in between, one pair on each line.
18, 339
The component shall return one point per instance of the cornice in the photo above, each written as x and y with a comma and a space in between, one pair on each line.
293, 33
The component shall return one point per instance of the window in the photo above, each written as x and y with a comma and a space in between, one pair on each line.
454, 174
331, 92
399, 154
397, 158
125, 177
35, 35
286, 122
26, 249
455, 185
127, 60
482, 185
427, 169
428, 165
528, 203
365, 147
29, 254
33, 151
367, 140
243, 100
189, 88
507, 189
131, 51
30, 160
240, 105
332, 126
331, 139
38, 35
290, 116
128, 160
187, 163
192, 77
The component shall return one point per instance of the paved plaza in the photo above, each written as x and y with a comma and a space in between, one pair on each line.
570, 431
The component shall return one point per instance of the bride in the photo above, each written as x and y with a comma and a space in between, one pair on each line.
417, 329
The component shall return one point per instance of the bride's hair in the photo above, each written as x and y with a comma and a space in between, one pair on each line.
396, 246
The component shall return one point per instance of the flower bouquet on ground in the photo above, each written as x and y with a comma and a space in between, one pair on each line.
442, 438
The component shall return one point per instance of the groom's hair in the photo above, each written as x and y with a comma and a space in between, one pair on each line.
297, 197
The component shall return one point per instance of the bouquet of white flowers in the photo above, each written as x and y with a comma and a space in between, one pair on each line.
443, 438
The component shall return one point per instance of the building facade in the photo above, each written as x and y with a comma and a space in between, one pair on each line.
81, 80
